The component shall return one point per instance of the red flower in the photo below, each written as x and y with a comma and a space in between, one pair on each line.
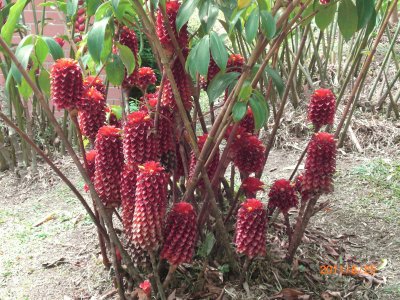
66, 83
250, 228
298, 185
320, 164
248, 121
321, 110
146, 287
282, 195
59, 41
97, 83
128, 38
140, 144
92, 114
248, 153
235, 63
128, 189
150, 206
213, 70
182, 37
108, 165
90, 159
145, 76
251, 186
180, 234
324, 2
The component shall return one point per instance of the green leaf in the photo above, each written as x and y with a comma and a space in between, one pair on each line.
91, 6
199, 57
218, 50
219, 84
276, 79
371, 23
208, 13
268, 25
8, 28
325, 15
234, 18
347, 18
259, 110
239, 111
22, 55
263, 4
365, 10
127, 57
115, 70
44, 81
55, 49
245, 91
115, 4
185, 12
251, 26
41, 50
72, 7
207, 246
24, 88
103, 11
96, 38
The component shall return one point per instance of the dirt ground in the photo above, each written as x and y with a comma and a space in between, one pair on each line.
59, 258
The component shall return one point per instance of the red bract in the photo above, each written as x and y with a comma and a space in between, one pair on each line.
97, 83
140, 144
250, 228
66, 83
324, 2
128, 38
321, 110
248, 121
146, 287
128, 189
59, 41
282, 195
92, 113
91, 159
213, 70
320, 164
180, 234
182, 37
298, 185
251, 186
212, 167
248, 154
108, 165
145, 76
235, 63
150, 206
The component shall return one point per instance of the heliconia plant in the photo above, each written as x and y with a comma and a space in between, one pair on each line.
159, 155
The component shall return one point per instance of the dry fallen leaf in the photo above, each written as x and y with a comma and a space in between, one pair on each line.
291, 294
329, 295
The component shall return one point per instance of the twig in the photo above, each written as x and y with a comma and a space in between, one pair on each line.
157, 276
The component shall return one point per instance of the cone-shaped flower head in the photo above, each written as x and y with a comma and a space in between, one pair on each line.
91, 159
235, 63
145, 77
180, 234
298, 185
320, 164
248, 121
140, 144
66, 83
150, 206
282, 195
182, 37
321, 110
212, 167
128, 190
128, 38
97, 83
108, 165
92, 112
250, 228
252, 185
249, 154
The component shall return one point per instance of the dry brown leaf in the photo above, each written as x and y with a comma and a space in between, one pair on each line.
331, 251
329, 295
291, 294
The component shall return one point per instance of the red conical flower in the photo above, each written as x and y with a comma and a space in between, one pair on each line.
251, 186
250, 228
180, 234
109, 162
145, 76
235, 63
298, 185
282, 195
66, 83
213, 70
91, 159
150, 206
92, 113
128, 38
128, 190
248, 154
320, 164
248, 121
182, 37
321, 110
80, 19
97, 83
212, 167
140, 144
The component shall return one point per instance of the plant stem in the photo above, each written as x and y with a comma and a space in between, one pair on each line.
157, 276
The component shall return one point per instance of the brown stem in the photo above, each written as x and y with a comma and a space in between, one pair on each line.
246, 265
157, 114
170, 275
157, 276
233, 206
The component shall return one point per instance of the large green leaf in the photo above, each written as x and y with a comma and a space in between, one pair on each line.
251, 26
208, 13
365, 10
245, 91
239, 111
41, 49
268, 24
218, 50
72, 7
371, 23
199, 57
22, 55
206, 247
185, 12
347, 18
260, 109
8, 28
91, 6
325, 15
115, 70
24, 88
276, 79
55, 49
96, 38
44, 81
127, 58
220, 83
